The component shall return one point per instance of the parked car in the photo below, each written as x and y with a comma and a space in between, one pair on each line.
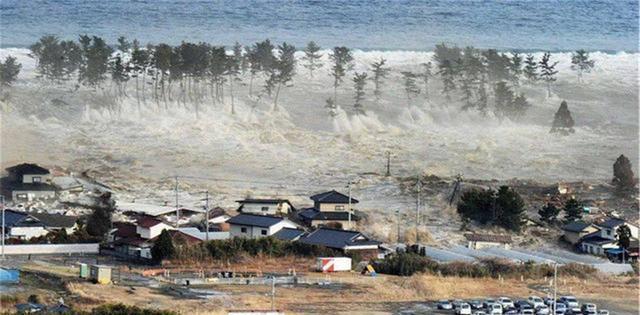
523, 305
543, 310
603, 312
476, 304
589, 313
495, 308
527, 312
588, 307
535, 301
479, 313
456, 303
548, 301
488, 303
571, 302
560, 312
463, 309
560, 307
509, 311
505, 302
444, 305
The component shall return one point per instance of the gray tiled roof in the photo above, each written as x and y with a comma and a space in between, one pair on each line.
314, 214
55, 220
338, 239
288, 234
576, 226
612, 223
332, 197
254, 220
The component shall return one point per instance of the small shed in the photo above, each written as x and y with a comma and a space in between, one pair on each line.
100, 274
479, 241
332, 264
84, 271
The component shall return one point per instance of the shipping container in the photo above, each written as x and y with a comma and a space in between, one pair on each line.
84, 271
100, 274
332, 264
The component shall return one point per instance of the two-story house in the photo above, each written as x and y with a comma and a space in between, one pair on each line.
257, 226
27, 182
281, 207
21, 225
605, 238
331, 209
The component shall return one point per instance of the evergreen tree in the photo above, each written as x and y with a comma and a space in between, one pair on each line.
240, 58
56, 60
530, 68
123, 44
518, 107
283, 70
331, 106
447, 74
548, 71
380, 72
503, 98
163, 248
261, 60
312, 57
510, 209
515, 68
359, 83
411, 89
497, 65
96, 56
483, 99
477, 205
162, 63
572, 210
549, 213
623, 176
581, 63
99, 222
342, 62
426, 75
9, 70
623, 238
562, 121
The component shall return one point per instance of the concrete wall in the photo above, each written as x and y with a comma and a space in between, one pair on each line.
27, 232
29, 178
256, 232
149, 233
27, 249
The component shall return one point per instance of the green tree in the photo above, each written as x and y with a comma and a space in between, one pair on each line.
342, 62
509, 209
283, 70
9, 70
99, 222
96, 62
380, 72
623, 238
548, 71
411, 89
56, 60
562, 121
477, 205
312, 57
163, 248
623, 176
123, 44
503, 97
359, 83
447, 74
426, 75
581, 63
530, 70
515, 68
549, 213
572, 210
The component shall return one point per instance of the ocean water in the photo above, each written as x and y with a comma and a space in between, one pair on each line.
368, 25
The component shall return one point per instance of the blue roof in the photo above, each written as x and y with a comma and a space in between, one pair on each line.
612, 223
288, 234
576, 226
255, 220
16, 218
595, 238
338, 239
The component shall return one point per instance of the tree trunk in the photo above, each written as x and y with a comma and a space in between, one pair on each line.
138, 95
275, 98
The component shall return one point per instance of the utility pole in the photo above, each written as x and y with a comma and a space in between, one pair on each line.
349, 210
419, 186
555, 285
3, 225
273, 292
206, 209
388, 163
398, 223
177, 207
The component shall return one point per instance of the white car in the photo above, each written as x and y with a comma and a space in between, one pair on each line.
572, 303
505, 302
495, 308
603, 312
543, 310
463, 309
535, 301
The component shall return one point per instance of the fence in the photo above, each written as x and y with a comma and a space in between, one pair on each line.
44, 249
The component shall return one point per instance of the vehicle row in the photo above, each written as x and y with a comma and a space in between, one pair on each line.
533, 305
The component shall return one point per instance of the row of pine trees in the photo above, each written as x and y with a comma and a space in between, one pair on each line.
196, 74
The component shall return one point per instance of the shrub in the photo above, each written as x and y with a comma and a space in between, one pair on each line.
404, 264
121, 309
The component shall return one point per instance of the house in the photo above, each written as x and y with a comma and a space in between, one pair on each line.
149, 227
330, 209
56, 222
256, 226
343, 240
479, 241
166, 213
280, 207
202, 235
595, 244
21, 225
576, 230
289, 234
28, 182
610, 226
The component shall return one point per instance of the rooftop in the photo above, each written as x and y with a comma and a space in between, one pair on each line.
18, 218
492, 238
289, 234
263, 201
149, 209
612, 223
255, 220
576, 226
147, 222
55, 220
27, 168
337, 239
332, 197
314, 214
595, 238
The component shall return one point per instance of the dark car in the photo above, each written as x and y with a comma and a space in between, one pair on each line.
476, 304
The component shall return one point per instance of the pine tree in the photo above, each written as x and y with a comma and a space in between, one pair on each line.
411, 89
359, 83
548, 71
380, 72
96, 55
342, 60
515, 68
9, 70
447, 74
623, 238
497, 65
503, 98
530, 68
623, 176
240, 58
510, 209
163, 248
549, 213
562, 121
162, 63
99, 222
283, 70
518, 107
56, 60
581, 63
312, 57
123, 44
572, 210
426, 75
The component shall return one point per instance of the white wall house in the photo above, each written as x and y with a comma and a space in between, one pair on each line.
149, 228
265, 206
21, 225
608, 228
257, 226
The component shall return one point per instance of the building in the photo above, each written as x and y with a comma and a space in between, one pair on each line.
343, 240
148, 227
21, 225
165, 213
28, 182
289, 234
330, 209
604, 241
57, 222
281, 207
610, 226
576, 230
256, 226
479, 241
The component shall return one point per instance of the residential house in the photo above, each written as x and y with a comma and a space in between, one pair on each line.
149, 227
28, 182
343, 240
57, 222
576, 230
202, 234
21, 225
165, 213
281, 207
289, 234
257, 226
605, 239
330, 209
610, 226
479, 241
